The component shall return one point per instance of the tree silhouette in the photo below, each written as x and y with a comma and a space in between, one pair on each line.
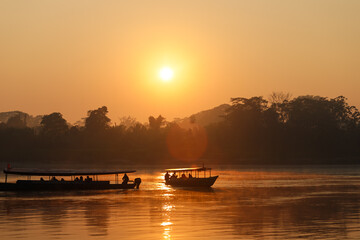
128, 121
54, 125
156, 123
16, 122
97, 120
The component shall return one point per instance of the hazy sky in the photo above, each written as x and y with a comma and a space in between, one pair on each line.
73, 56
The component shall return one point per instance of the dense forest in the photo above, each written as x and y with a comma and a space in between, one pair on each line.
278, 130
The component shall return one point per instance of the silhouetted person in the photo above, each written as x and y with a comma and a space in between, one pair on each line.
88, 179
173, 175
81, 178
76, 179
63, 180
190, 176
183, 175
167, 176
125, 179
54, 179
41, 179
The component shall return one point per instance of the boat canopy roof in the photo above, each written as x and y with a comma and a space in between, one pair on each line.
61, 172
188, 169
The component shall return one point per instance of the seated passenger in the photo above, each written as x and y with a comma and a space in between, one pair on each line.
190, 176
167, 176
125, 179
81, 178
173, 175
54, 179
41, 179
183, 175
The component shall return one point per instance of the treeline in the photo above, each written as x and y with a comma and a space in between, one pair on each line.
306, 129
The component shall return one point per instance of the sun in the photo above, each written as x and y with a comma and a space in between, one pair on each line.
166, 74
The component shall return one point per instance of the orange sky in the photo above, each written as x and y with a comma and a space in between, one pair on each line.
73, 56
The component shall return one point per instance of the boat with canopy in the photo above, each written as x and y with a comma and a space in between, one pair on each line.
76, 181
190, 177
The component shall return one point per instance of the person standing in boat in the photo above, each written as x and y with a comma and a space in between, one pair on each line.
167, 176
125, 179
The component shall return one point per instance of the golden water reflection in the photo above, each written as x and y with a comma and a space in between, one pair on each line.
167, 233
263, 205
167, 209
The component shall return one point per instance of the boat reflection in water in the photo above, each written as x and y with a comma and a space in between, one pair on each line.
190, 177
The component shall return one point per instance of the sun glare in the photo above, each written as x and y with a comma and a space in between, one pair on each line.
166, 74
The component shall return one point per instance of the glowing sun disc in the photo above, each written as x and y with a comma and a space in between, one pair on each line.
166, 74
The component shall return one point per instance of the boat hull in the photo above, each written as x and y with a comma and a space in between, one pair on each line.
191, 182
63, 186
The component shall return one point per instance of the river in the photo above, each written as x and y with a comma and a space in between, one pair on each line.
260, 202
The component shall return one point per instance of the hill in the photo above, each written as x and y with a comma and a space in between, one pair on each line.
29, 120
206, 117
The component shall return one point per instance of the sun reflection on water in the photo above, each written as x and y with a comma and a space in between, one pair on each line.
166, 224
167, 208
167, 232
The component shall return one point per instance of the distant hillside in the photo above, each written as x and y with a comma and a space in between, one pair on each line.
206, 117
30, 121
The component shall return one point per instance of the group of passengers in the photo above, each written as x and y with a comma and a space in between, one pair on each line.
174, 176
87, 179
81, 179
77, 179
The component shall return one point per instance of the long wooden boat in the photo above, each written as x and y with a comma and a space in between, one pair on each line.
190, 177
77, 181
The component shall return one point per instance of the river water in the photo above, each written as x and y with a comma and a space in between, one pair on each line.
317, 202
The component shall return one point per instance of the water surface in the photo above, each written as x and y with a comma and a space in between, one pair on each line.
295, 202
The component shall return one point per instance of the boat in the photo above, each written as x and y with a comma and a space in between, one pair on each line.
190, 177
77, 181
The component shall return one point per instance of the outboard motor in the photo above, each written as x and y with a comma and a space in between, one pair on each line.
137, 182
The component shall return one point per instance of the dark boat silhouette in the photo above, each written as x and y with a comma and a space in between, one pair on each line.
76, 183
190, 177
